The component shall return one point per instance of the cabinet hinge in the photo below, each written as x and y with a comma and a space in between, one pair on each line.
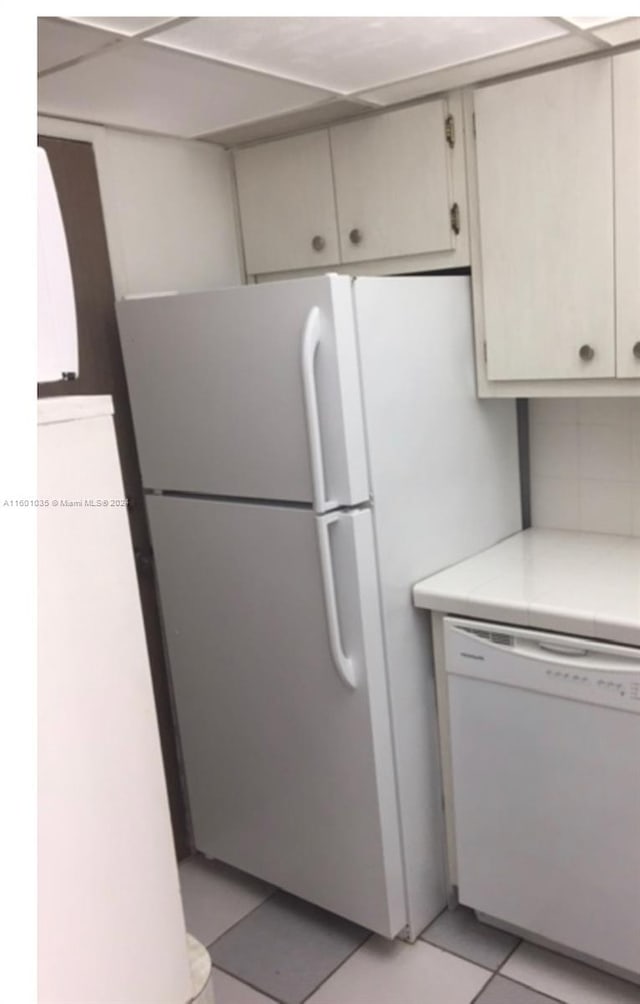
484, 352
454, 216
450, 130
473, 125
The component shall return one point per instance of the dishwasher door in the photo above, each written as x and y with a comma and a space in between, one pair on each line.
545, 746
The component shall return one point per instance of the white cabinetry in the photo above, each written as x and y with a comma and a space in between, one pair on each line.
381, 189
392, 184
626, 131
287, 210
555, 247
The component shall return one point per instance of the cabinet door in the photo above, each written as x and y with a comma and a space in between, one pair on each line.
285, 193
545, 197
392, 184
626, 126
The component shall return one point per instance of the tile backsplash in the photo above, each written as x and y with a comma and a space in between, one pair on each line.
585, 464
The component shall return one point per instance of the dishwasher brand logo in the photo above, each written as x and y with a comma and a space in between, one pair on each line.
470, 655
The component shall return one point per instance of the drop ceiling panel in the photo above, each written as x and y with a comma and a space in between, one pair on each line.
123, 25
59, 42
619, 32
589, 22
347, 54
477, 71
138, 86
291, 122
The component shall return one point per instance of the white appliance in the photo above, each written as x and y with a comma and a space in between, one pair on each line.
545, 747
57, 329
310, 448
110, 920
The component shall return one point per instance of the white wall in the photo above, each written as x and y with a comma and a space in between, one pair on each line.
168, 208
585, 464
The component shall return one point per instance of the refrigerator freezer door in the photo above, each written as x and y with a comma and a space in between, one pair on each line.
250, 392
289, 765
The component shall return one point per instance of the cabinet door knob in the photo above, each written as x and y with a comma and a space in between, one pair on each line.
318, 243
586, 353
355, 236
636, 350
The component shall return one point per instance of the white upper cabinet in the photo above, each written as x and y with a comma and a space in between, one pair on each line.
287, 211
386, 191
392, 184
545, 199
626, 125
554, 176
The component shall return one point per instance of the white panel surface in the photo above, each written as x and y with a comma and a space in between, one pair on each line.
586, 23
547, 816
57, 326
444, 472
138, 86
351, 53
545, 197
217, 394
461, 74
289, 772
170, 203
123, 25
110, 918
585, 461
626, 132
160, 195
392, 183
626, 29
68, 409
59, 42
286, 200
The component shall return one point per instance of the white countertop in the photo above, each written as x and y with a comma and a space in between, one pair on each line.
73, 407
559, 580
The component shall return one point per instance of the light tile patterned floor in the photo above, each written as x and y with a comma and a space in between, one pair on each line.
267, 946
215, 897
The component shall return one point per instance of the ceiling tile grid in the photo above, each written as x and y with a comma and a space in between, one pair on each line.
58, 43
138, 86
128, 26
228, 77
350, 54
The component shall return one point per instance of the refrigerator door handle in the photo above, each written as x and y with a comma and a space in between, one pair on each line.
344, 665
310, 342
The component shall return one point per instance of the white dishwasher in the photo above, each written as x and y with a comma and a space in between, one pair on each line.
545, 756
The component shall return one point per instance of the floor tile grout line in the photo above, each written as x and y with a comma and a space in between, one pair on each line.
339, 966
465, 958
527, 986
515, 948
241, 919
252, 986
492, 972
235, 976
482, 989
200, 857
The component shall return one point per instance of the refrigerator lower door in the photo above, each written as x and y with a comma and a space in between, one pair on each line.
273, 633
250, 392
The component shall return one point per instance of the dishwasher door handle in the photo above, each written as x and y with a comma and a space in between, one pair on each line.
568, 650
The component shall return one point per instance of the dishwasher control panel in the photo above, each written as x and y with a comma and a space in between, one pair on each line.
559, 665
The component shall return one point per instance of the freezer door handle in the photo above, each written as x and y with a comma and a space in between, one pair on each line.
344, 665
310, 342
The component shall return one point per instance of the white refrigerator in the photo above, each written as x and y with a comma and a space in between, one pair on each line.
309, 449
